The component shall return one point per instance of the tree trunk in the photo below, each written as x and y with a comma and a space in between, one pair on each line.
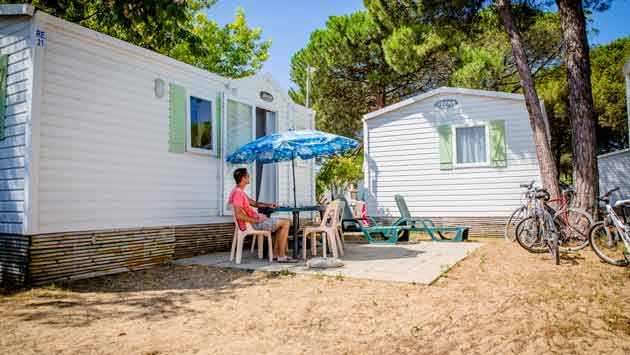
548, 171
380, 99
581, 112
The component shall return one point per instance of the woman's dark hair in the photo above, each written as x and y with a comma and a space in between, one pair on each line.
239, 174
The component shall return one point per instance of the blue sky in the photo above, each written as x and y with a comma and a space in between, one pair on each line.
289, 24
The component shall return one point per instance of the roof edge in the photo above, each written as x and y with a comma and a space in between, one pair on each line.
617, 152
442, 90
263, 75
17, 10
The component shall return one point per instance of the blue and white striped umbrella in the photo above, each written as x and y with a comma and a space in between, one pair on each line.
285, 146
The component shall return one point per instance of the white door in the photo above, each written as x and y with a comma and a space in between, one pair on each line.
304, 176
269, 191
240, 129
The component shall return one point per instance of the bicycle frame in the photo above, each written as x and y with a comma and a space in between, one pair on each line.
622, 228
531, 202
547, 218
563, 203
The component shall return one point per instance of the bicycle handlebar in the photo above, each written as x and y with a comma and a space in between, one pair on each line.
526, 186
543, 194
606, 197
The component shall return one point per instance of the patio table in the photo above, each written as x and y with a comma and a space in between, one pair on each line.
295, 211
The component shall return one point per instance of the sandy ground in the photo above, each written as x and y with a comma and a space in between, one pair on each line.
499, 300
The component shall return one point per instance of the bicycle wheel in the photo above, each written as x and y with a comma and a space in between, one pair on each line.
529, 235
509, 232
574, 225
607, 244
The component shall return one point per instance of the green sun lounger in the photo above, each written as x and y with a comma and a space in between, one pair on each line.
368, 228
426, 225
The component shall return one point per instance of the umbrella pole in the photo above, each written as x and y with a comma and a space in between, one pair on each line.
293, 169
259, 176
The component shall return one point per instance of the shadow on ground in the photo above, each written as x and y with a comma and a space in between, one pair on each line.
154, 294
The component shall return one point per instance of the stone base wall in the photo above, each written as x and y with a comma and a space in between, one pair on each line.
202, 239
13, 260
67, 256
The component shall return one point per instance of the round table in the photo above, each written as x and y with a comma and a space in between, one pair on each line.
295, 211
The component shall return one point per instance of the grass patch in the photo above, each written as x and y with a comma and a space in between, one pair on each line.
416, 330
482, 260
618, 322
444, 269
285, 272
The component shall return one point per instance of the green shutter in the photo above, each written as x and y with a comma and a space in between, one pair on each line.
218, 119
4, 64
446, 147
498, 156
177, 120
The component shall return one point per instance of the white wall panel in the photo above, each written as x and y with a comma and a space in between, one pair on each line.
614, 171
104, 160
403, 157
14, 41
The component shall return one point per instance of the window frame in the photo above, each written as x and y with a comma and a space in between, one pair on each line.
486, 127
213, 120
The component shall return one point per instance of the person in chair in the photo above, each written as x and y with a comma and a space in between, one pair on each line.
242, 207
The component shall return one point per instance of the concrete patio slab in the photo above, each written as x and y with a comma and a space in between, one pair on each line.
421, 263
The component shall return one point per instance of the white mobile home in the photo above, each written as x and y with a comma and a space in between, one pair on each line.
456, 155
614, 171
101, 136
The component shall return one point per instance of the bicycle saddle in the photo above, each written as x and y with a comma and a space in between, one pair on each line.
622, 203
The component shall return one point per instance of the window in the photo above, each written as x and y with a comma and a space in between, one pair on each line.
471, 146
200, 125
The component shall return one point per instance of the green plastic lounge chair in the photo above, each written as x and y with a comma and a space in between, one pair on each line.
426, 225
369, 228
375, 234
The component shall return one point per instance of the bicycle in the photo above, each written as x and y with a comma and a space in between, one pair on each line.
611, 236
539, 230
526, 210
572, 224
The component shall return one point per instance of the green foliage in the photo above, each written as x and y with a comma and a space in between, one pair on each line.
466, 38
154, 24
285, 272
608, 85
485, 58
352, 76
413, 39
234, 50
172, 27
337, 172
608, 94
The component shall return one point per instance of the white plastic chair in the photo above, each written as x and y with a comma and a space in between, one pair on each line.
239, 237
338, 226
328, 229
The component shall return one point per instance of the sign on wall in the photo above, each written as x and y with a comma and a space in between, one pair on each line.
265, 96
446, 104
41, 37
